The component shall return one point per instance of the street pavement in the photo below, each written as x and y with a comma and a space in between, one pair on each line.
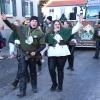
81, 84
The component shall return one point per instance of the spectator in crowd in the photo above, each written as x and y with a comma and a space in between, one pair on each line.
2, 41
12, 39
15, 43
71, 46
97, 39
49, 24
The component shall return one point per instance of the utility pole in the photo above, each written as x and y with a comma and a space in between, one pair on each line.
86, 9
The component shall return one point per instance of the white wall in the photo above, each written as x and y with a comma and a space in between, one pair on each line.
35, 7
68, 10
19, 9
55, 15
58, 11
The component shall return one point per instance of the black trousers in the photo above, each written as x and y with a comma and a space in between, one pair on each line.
56, 69
18, 72
23, 66
97, 48
71, 57
39, 64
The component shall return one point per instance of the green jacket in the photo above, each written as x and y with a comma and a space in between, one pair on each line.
22, 32
13, 37
64, 33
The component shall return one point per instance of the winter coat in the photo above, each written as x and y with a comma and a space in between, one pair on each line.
23, 33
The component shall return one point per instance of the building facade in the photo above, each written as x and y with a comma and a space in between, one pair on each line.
70, 8
19, 9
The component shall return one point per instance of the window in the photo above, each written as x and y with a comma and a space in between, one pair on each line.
93, 12
51, 10
8, 7
27, 8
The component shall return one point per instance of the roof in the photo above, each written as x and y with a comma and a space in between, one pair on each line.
57, 3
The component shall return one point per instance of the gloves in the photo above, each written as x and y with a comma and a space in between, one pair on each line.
17, 42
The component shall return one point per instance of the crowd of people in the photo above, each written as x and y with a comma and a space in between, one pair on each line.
55, 40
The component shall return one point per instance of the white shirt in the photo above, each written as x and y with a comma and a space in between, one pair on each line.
61, 50
58, 50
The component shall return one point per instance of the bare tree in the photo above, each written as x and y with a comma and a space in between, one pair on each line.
42, 2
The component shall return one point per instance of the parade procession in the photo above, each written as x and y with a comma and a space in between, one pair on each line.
49, 49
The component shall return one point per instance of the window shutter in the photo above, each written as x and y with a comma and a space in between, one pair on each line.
23, 8
2, 6
31, 8
14, 7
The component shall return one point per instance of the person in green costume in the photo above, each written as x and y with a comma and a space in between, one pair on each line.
57, 51
12, 39
32, 42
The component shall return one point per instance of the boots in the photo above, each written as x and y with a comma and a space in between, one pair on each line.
34, 90
53, 87
15, 84
70, 68
59, 89
21, 94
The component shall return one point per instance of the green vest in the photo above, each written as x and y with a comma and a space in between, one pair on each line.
64, 33
38, 38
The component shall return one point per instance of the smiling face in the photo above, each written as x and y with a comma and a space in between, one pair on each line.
33, 23
57, 26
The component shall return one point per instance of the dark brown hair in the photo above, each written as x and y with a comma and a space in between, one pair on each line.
69, 23
53, 22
